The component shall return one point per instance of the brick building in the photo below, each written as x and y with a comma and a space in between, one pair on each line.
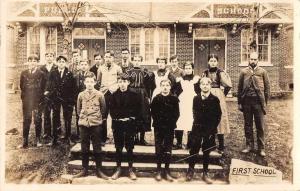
152, 29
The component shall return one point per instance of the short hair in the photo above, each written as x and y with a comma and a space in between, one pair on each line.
162, 58
188, 63
139, 56
125, 49
75, 51
97, 54
84, 60
48, 53
61, 57
173, 57
33, 57
110, 52
212, 56
202, 80
123, 76
90, 75
165, 80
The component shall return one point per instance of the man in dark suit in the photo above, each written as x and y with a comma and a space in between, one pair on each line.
207, 115
253, 95
61, 90
124, 111
98, 59
32, 85
47, 104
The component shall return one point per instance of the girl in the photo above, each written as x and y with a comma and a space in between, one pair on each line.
219, 78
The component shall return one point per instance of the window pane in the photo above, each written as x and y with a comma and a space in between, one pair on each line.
34, 40
51, 39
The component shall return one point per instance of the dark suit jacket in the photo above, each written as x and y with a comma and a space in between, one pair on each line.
61, 89
32, 87
124, 105
94, 69
207, 115
165, 111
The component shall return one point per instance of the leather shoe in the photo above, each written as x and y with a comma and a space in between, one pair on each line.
132, 175
169, 177
117, 174
189, 175
83, 173
262, 153
206, 179
143, 142
247, 150
158, 176
100, 174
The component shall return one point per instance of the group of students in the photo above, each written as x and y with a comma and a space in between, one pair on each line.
172, 100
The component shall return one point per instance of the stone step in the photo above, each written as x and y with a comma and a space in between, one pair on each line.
77, 165
141, 153
93, 180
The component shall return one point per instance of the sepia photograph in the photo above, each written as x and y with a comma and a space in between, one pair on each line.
189, 93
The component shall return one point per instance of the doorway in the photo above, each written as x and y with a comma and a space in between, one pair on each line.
202, 48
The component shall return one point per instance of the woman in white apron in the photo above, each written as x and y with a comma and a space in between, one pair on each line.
189, 83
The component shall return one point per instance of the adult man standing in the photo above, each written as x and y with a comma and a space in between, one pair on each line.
74, 66
98, 60
125, 62
107, 77
253, 95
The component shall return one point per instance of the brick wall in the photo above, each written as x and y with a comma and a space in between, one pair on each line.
21, 53
116, 40
184, 46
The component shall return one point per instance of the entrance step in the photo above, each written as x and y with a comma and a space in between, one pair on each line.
142, 154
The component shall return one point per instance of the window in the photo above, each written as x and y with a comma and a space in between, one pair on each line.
34, 40
263, 40
51, 39
149, 43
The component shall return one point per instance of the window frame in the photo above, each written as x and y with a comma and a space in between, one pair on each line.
260, 63
157, 43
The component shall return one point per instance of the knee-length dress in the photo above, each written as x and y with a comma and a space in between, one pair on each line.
185, 121
220, 78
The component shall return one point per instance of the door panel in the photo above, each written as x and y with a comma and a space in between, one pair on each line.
202, 48
90, 47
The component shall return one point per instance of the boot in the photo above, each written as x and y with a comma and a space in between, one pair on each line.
98, 161
117, 173
132, 175
168, 176
158, 175
190, 174
206, 179
24, 145
38, 142
85, 166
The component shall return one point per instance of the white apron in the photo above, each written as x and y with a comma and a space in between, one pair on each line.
158, 79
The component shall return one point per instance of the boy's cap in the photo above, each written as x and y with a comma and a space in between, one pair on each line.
61, 57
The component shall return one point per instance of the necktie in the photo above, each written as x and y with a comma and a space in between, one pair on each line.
60, 74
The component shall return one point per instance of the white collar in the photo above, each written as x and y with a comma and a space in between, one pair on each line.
205, 94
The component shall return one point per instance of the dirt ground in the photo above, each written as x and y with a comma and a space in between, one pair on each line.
46, 164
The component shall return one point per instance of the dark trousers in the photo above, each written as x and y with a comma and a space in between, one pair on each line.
107, 97
88, 134
178, 136
123, 133
30, 110
163, 146
47, 118
252, 109
67, 115
207, 143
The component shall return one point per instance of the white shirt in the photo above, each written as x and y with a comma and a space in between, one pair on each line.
49, 66
204, 95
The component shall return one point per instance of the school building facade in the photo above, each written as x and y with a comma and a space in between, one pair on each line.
152, 29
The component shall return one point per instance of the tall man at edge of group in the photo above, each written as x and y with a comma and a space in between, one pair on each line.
253, 96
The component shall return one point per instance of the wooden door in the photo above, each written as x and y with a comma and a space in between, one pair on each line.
202, 48
89, 47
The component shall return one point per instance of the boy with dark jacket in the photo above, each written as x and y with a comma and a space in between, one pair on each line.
91, 108
32, 85
207, 115
165, 113
61, 90
124, 110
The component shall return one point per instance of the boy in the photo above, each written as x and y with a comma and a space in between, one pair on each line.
47, 106
98, 62
108, 79
74, 66
61, 90
83, 69
91, 109
32, 85
124, 110
207, 115
125, 61
141, 83
165, 113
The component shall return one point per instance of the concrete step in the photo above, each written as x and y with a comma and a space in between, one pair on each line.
76, 164
141, 153
93, 180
